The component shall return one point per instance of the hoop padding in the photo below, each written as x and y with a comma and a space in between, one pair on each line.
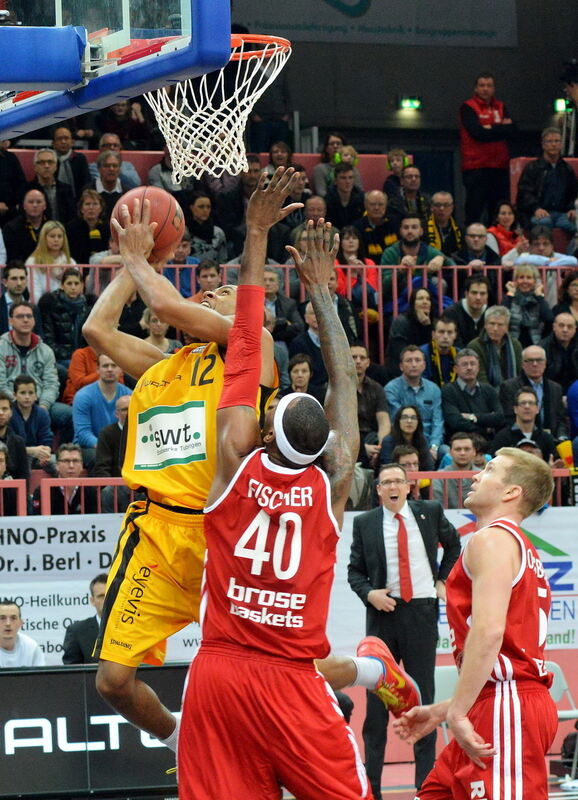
203, 120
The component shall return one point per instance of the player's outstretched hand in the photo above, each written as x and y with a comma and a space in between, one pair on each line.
265, 206
316, 266
416, 723
471, 742
136, 233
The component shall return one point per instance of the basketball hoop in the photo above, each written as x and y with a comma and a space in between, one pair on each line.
203, 120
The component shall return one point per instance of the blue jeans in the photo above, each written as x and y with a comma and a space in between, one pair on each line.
557, 219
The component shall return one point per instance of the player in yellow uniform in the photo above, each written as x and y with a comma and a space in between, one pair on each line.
154, 582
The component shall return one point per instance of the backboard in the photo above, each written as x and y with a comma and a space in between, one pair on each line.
61, 58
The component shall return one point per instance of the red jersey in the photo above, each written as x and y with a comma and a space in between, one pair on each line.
271, 542
521, 655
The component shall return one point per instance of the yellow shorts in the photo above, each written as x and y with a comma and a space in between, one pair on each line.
154, 584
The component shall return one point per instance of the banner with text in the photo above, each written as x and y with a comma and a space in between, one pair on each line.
47, 563
456, 22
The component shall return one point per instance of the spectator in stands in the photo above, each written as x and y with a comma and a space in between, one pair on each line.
485, 129
22, 351
108, 183
551, 409
15, 283
182, 278
17, 460
21, 233
529, 311
344, 199
72, 165
208, 279
443, 232
207, 239
413, 326
315, 208
345, 310
372, 414
280, 155
411, 200
452, 492
407, 429
469, 312
410, 251
377, 229
476, 252
560, 349
352, 253
408, 457
8, 494
32, 423
68, 499
300, 369
331, 147
81, 372
93, 406
52, 248
567, 296
288, 321
440, 351
125, 118
87, 233
308, 343
12, 182
524, 427
59, 196
157, 333
468, 405
110, 447
81, 636
548, 187
110, 142
505, 229
411, 388
64, 312
300, 194
161, 175
397, 159
499, 353
16, 649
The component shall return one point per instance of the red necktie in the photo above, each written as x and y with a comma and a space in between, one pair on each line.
405, 587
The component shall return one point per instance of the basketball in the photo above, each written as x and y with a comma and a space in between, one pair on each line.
165, 211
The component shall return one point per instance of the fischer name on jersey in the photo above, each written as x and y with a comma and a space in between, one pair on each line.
521, 655
271, 551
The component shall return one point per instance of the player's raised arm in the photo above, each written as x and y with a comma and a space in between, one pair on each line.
237, 427
341, 398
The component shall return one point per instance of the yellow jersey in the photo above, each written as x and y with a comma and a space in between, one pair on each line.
171, 442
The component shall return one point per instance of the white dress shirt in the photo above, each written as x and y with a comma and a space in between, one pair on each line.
421, 575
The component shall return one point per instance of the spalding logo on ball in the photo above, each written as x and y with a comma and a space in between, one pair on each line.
165, 211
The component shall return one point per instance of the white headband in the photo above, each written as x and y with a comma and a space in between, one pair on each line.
285, 447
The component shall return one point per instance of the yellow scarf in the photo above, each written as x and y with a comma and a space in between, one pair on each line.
434, 237
436, 360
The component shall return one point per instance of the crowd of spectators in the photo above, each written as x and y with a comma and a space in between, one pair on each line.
464, 338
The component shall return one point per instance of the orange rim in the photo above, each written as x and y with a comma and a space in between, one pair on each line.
238, 39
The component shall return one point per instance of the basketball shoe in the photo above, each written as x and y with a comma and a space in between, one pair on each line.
396, 689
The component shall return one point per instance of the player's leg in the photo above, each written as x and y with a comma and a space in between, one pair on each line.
136, 701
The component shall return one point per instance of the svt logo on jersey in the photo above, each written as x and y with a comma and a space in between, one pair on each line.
169, 435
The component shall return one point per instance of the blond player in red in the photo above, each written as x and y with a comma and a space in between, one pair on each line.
498, 598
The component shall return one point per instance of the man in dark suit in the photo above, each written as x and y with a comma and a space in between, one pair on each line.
552, 412
393, 568
469, 406
60, 203
72, 165
81, 635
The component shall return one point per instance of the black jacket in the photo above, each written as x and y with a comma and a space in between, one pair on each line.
531, 184
468, 329
62, 329
79, 642
367, 561
110, 447
484, 404
288, 321
4, 319
554, 410
80, 172
64, 198
561, 364
17, 461
82, 244
19, 238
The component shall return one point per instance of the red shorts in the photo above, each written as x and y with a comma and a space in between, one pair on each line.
252, 724
520, 720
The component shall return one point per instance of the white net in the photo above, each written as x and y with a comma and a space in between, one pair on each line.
203, 120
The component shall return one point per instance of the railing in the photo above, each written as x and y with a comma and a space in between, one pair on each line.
13, 498
82, 484
402, 277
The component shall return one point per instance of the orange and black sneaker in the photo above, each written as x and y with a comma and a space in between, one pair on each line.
396, 689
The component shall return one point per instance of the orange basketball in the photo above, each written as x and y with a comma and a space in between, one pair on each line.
165, 211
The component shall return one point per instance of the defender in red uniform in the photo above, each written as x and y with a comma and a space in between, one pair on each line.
257, 714
498, 598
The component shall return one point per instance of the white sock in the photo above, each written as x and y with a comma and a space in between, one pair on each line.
369, 671
172, 740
